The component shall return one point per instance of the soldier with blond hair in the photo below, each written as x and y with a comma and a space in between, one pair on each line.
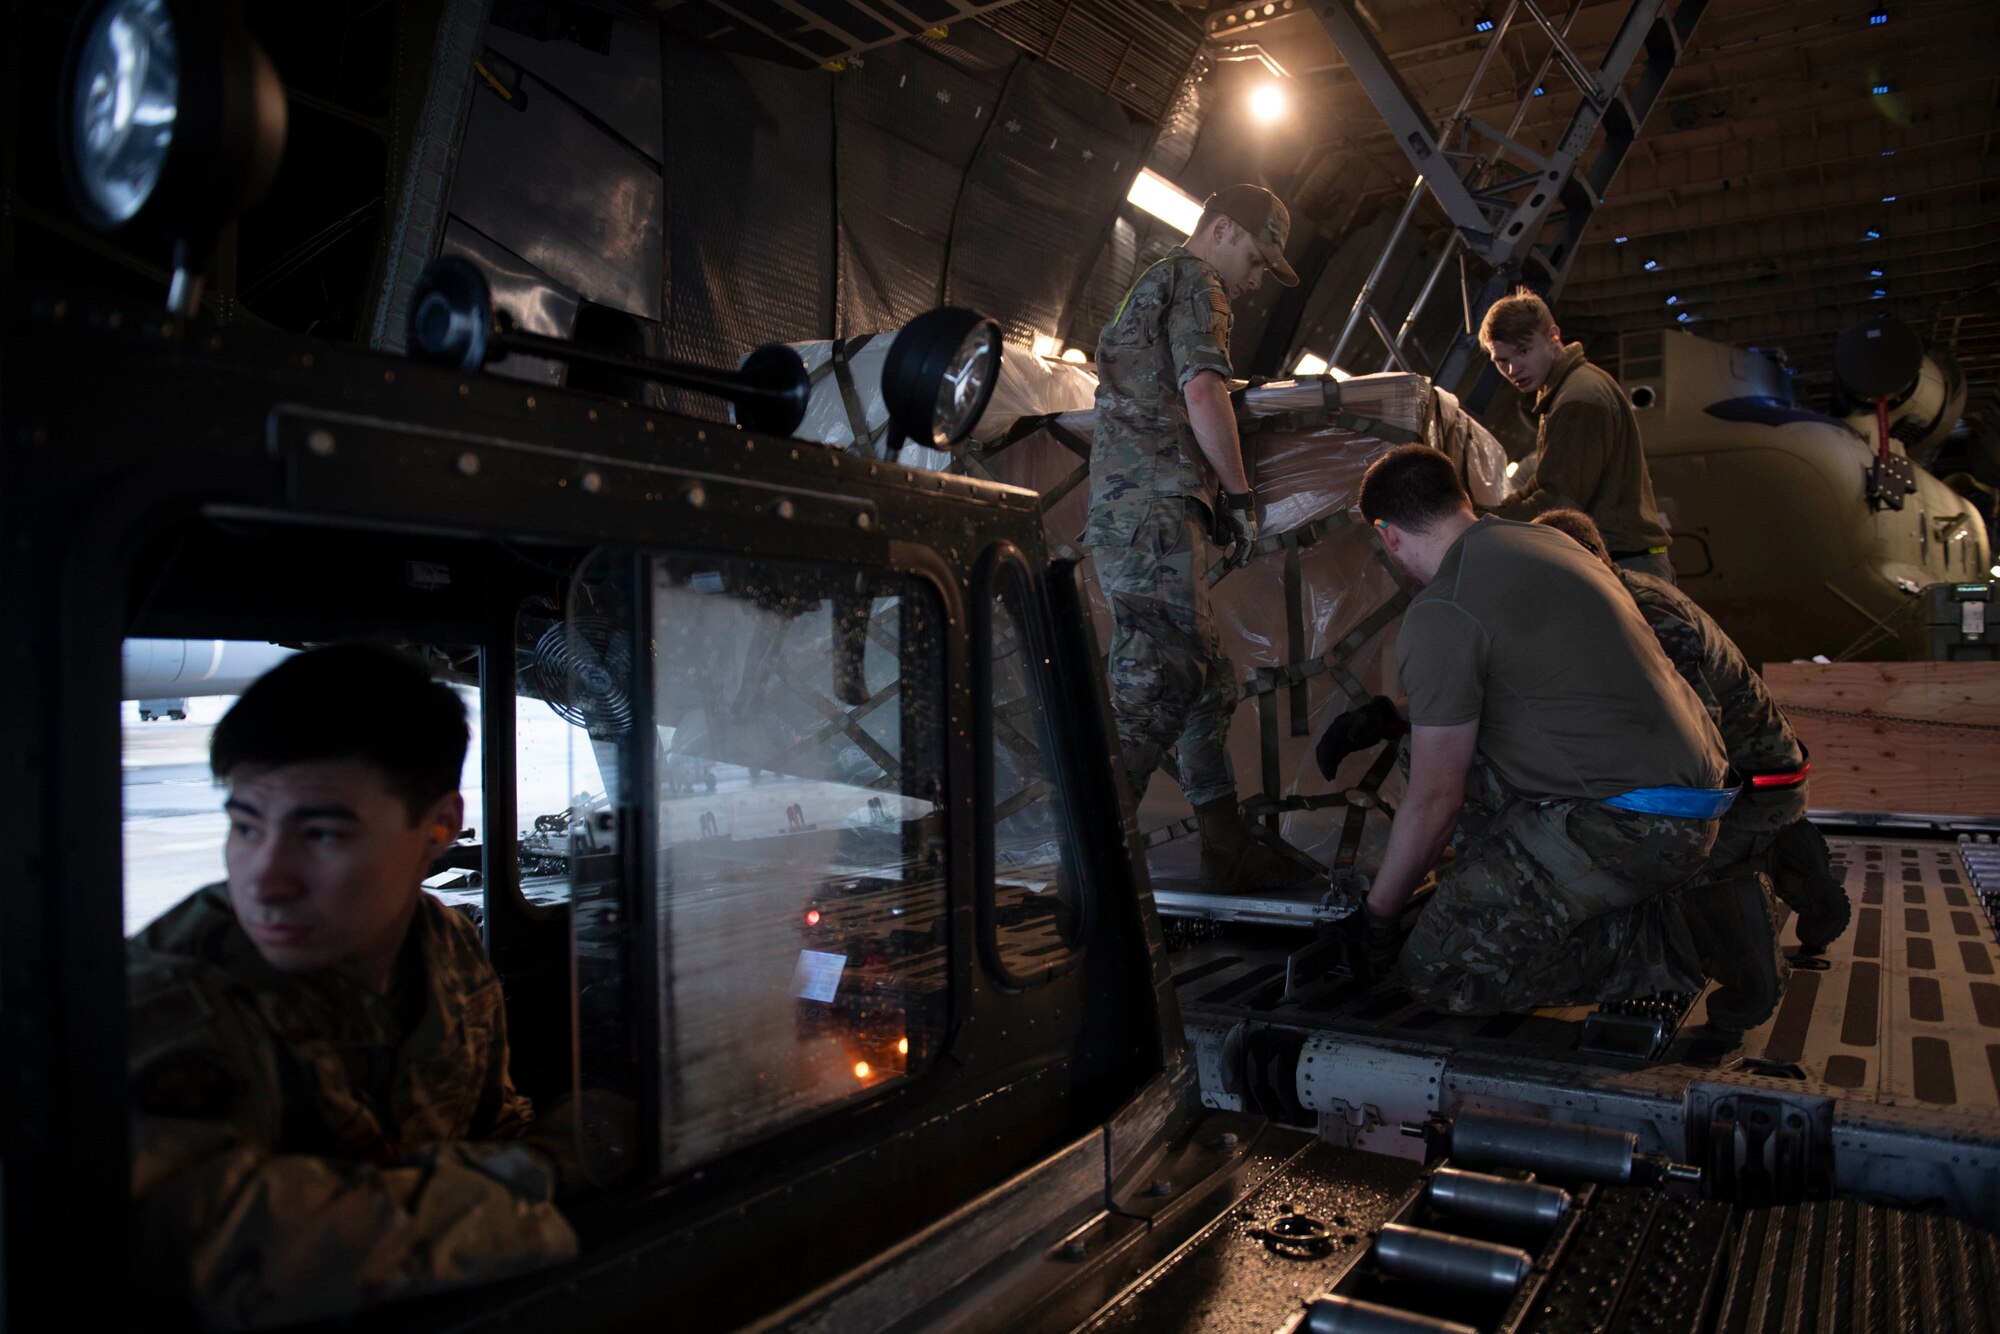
1587, 451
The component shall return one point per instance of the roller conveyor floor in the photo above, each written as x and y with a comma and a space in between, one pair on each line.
1906, 1014
1331, 1241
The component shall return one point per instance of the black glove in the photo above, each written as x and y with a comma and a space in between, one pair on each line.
1236, 526
1357, 729
1373, 945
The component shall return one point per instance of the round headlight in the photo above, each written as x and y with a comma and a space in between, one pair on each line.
451, 315
125, 99
939, 375
967, 384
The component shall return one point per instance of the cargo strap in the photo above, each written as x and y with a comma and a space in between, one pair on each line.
1329, 413
1681, 803
838, 364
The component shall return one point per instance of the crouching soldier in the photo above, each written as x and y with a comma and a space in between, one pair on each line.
1765, 833
1583, 775
322, 1115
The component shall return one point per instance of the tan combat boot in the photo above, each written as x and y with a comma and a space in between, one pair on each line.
1233, 861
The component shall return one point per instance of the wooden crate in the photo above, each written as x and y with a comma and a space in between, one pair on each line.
1909, 737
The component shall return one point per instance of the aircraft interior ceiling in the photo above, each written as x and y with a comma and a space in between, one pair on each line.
1804, 169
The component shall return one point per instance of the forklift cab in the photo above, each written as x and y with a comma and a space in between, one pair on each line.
803, 859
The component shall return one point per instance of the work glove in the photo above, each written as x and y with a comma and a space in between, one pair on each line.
1357, 729
1236, 526
1373, 943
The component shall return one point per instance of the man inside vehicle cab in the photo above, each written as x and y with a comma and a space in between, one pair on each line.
322, 1115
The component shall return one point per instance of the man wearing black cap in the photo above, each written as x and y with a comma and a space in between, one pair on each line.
1166, 471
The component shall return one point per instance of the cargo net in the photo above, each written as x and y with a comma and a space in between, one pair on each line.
1307, 622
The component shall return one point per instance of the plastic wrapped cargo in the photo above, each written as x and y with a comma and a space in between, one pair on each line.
1309, 622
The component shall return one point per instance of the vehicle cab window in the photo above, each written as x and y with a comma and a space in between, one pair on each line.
1036, 913
786, 749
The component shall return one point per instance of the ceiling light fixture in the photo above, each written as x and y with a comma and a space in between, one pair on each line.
1164, 200
1268, 103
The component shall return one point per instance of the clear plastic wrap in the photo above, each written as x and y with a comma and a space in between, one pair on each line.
1307, 643
1307, 479
1029, 386
1481, 458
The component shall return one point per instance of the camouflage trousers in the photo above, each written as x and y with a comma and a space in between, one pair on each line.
1564, 902
1749, 827
1172, 684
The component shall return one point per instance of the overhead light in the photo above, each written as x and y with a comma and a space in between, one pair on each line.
1484, 23
1888, 152
1539, 90
1309, 365
1652, 264
1888, 199
1879, 89
1880, 293
1874, 273
1164, 200
1620, 240
1047, 347
1673, 300
1878, 16
1872, 234
1994, 572
1075, 356
1682, 318
1268, 103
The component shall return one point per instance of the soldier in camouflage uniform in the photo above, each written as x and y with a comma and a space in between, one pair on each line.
1765, 832
1166, 444
322, 1115
1581, 776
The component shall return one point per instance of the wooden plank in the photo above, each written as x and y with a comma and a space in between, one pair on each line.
1877, 742
1957, 692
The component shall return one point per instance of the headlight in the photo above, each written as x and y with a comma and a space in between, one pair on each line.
172, 121
939, 375
125, 99
967, 384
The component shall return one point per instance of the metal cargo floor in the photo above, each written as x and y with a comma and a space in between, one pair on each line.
1907, 1013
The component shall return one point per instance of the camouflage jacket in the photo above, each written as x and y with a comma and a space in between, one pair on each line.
1172, 325
300, 1148
1753, 727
